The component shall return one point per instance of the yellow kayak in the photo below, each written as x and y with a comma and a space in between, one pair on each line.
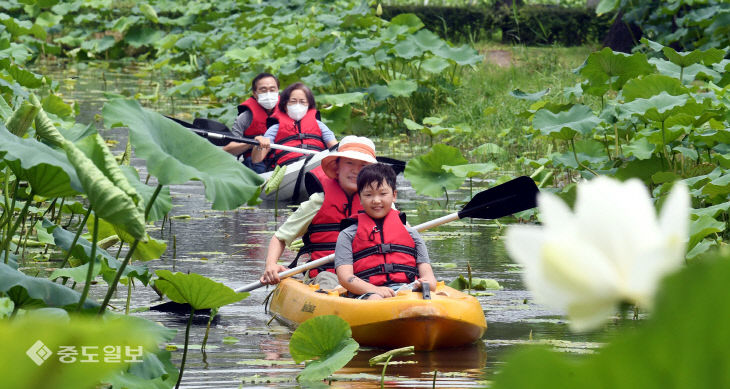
449, 319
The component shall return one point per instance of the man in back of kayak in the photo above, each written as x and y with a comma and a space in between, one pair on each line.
378, 253
317, 220
252, 116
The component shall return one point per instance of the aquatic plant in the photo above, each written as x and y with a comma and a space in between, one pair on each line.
325, 343
610, 249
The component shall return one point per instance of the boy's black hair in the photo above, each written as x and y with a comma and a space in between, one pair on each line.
378, 174
261, 76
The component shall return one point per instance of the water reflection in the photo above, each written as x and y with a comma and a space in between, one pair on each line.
230, 247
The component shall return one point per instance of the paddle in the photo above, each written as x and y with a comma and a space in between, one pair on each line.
216, 131
513, 196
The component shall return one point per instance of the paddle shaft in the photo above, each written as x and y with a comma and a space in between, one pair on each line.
331, 257
215, 135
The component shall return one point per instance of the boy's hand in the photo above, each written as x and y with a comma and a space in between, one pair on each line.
428, 280
384, 291
271, 274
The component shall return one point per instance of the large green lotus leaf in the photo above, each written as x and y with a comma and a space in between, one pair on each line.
24, 77
97, 151
711, 211
90, 332
686, 152
694, 318
656, 137
488, 149
108, 201
591, 151
688, 74
402, 88
651, 85
434, 65
642, 169
412, 126
687, 58
198, 291
408, 20
147, 250
50, 293
78, 273
163, 202
141, 36
462, 55
407, 49
155, 372
614, 68
700, 248
55, 105
662, 106
427, 40
461, 283
326, 342
703, 226
722, 160
717, 187
47, 170
470, 170
427, 175
175, 155
565, 125
342, 98
365, 45
639, 148
82, 251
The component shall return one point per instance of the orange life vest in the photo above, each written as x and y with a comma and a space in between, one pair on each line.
304, 134
384, 254
321, 236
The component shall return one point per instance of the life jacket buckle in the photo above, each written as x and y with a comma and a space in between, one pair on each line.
387, 268
384, 248
301, 136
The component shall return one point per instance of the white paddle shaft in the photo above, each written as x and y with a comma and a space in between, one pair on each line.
275, 146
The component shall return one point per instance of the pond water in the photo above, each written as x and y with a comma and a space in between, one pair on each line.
246, 350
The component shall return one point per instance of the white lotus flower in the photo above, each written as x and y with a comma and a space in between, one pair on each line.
611, 249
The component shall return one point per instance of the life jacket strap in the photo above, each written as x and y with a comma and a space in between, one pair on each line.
384, 248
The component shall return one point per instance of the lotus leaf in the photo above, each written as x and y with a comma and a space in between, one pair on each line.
651, 85
402, 88
565, 125
641, 169
411, 125
703, 226
718, 187
24, 77
155, 372
407, 49
686, 75
20, 334
461, 283
82, 250
488, 149
163, 202
684, 59
146, 250
427, 175
40, 289
411, 21
198, 291
711, 211
660, 107
48, 171
342, 98
326, 342
639, 148
722, 160
427, 40
175, 155
529, 96
463, 55
613, 69
434, 65
109, 201
471, 170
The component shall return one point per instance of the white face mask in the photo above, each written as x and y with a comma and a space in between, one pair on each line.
268, 100
296, 111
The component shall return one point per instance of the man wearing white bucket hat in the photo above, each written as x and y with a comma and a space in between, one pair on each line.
318, 219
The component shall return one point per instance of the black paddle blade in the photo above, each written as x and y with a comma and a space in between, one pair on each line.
174, 307
513, 196
397, 165
211, 125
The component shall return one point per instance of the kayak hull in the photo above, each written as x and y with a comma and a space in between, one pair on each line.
289, 184
450, 319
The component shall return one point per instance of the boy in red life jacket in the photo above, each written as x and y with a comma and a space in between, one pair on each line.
379, 253
318, 219
253, 115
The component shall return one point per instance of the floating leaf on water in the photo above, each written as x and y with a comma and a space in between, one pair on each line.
326, 341
267, 362
230, 340
180, 217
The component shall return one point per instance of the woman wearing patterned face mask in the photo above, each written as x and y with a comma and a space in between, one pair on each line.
297, 125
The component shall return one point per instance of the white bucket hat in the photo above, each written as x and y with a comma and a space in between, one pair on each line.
353, 147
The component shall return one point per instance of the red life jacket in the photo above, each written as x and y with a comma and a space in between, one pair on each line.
258, 119
304, 134
384, 255
321, 235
